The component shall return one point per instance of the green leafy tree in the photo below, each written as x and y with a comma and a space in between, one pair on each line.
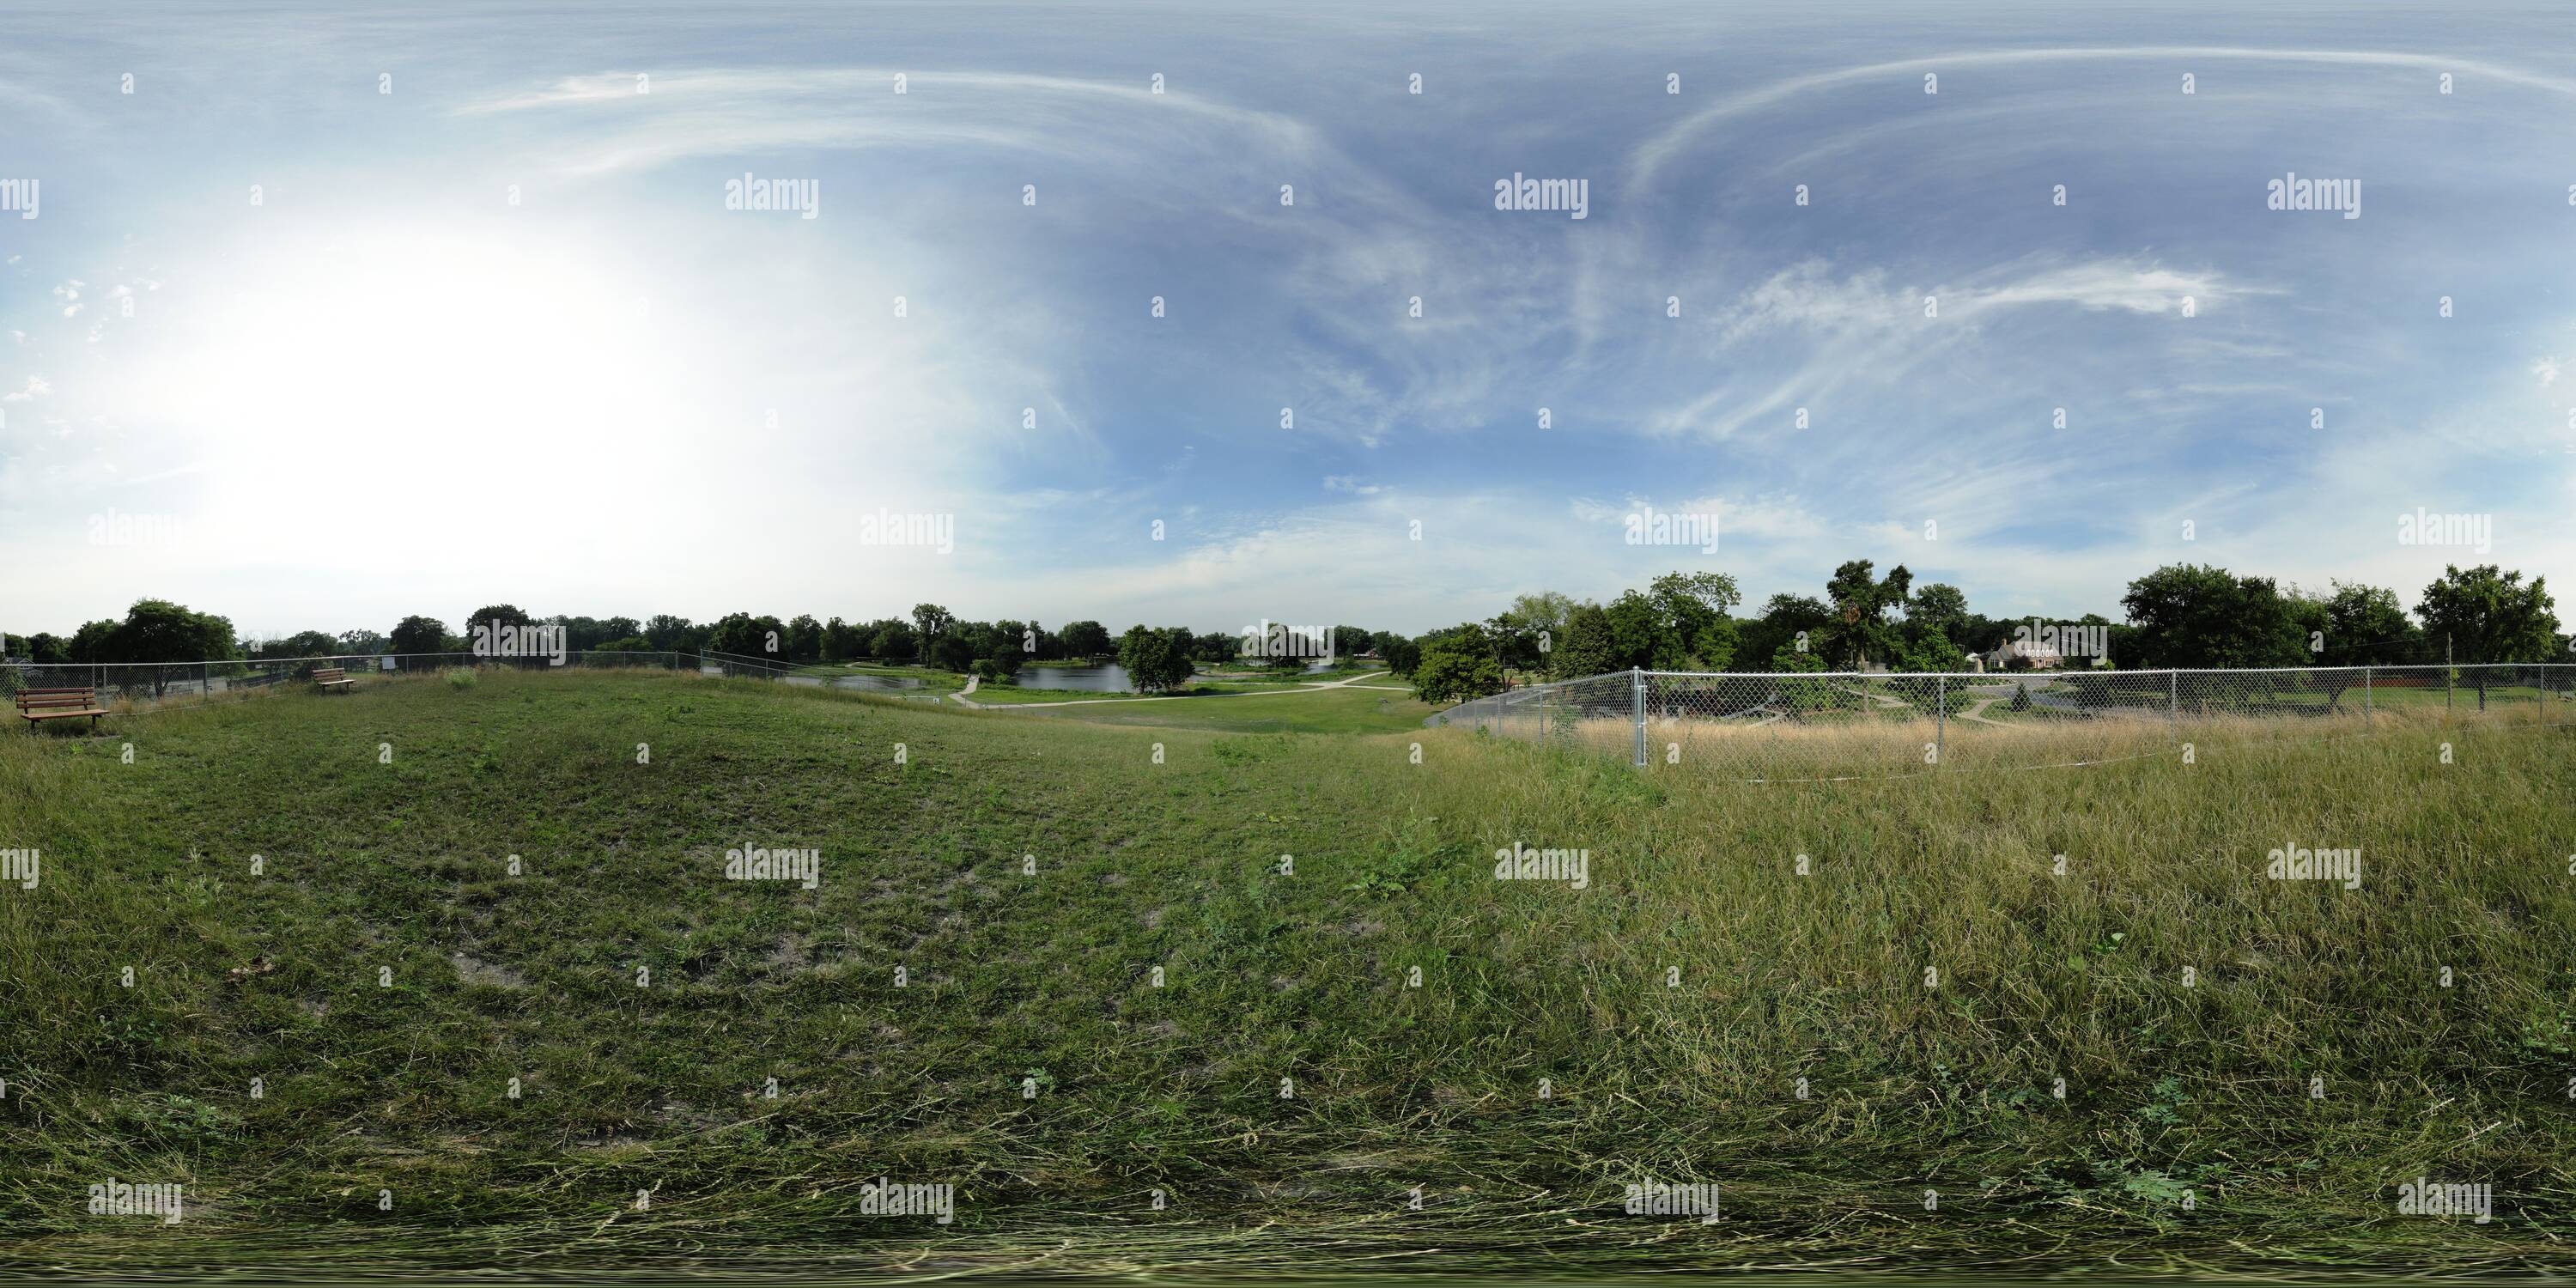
1455, 669
1696, 629
1588, 646
418, 634
1860, 632
1157, 660
1400, 653
894, 640
1085, 639
2488, 615
667, 633
744, 635
2353, 625
1937, 606
2192, 615
505, 614
804, 639
1786, 621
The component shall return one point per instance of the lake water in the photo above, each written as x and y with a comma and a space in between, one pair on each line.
1106, 678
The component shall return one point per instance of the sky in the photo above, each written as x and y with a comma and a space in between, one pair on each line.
320, 321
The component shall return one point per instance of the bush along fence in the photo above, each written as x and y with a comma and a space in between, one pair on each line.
1670, 713
146, 684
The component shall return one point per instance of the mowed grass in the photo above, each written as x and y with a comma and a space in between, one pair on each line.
1292, 1087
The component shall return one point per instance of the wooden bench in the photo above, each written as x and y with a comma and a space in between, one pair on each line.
331, 677
59, 704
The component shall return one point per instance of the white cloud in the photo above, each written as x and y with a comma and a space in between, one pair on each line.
37, 387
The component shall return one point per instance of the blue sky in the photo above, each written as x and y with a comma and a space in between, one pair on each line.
386, 389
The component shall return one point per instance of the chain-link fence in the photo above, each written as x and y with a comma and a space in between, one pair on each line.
1817, 724
142, 685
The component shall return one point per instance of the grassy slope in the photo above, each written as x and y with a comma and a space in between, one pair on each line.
1268, 976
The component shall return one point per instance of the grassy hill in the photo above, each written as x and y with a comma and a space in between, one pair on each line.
1697, 1011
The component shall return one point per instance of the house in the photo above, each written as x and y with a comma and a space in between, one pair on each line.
2031, 656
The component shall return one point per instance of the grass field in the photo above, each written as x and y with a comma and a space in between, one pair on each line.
1829, 1047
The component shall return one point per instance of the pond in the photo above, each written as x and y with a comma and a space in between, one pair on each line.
1107, 677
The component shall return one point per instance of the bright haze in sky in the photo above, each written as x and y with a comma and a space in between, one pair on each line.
319, 321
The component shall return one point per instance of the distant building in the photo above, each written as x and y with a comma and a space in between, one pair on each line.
2033, 656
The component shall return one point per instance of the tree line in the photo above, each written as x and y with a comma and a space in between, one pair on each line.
156, 630
2180, 615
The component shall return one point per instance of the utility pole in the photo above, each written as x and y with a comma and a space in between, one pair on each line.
2446, 672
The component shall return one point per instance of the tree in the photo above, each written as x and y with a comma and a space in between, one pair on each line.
2354, 625
1787, 622
951, 652
2488, 616
804, 639
1085, 639
630, 644
2193, 615
364, 642
1398, 652
1859, 630
1454, 670
1693, 610
299, 644
157, 630
93, 642
744, 635
418, 634
1156, 660
666, 633
1938, 606
1587, 647
48, 649
505, 614
894, 639
928, 620
840, 641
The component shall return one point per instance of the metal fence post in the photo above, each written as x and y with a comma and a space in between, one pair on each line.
1638, 674
2173, 703
1941, 723
2365, 695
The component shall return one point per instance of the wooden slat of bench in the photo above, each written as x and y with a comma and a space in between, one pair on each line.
39, 703
62, 715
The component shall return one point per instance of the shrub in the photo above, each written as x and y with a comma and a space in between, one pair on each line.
459, 677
